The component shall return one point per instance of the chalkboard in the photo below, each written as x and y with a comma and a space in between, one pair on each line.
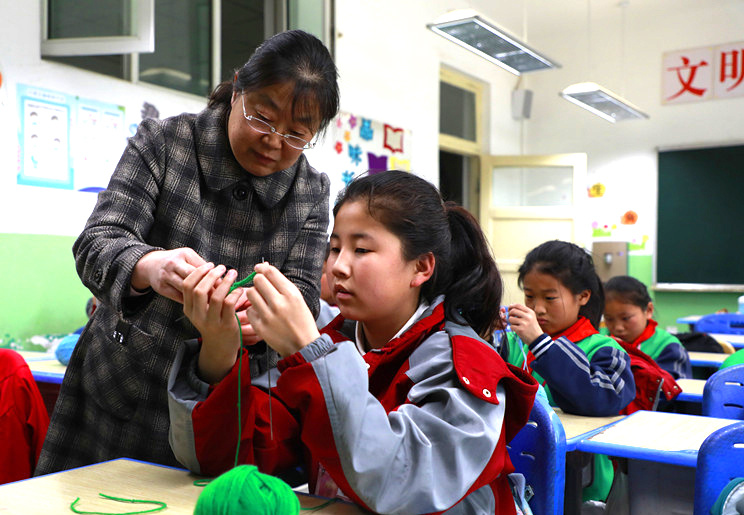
701, 216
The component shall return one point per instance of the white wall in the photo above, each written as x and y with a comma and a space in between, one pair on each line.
389, 63
35, 210
389, 70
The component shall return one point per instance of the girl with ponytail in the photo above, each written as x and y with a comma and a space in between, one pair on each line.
411, 413
555, 338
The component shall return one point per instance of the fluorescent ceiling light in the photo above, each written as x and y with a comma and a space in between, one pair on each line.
468, 29
602, 102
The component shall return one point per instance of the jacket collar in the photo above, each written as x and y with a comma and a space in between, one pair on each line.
221, 170
581, 329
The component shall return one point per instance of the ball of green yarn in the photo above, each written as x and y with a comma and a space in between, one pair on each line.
244, 490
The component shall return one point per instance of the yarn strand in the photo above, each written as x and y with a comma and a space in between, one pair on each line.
161, 506
240, 385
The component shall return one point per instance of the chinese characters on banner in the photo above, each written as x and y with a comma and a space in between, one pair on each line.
703, 73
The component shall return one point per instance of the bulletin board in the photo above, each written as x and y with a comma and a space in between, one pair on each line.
66, 141
354, 144
701, 216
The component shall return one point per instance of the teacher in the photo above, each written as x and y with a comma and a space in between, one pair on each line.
229, 186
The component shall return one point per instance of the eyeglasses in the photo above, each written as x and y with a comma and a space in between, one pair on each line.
263, 127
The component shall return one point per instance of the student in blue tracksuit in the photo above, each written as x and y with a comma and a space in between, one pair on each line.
628, 313
555, 337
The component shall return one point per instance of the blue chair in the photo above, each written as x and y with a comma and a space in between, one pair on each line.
719, 461
723, 323
723, 394
539, 452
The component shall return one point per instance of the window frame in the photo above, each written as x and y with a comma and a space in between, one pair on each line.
142, 39
453, 143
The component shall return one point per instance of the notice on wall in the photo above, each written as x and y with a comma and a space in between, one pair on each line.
354, 144
703, 73
66, 141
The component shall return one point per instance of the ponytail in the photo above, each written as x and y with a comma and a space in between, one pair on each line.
475, 288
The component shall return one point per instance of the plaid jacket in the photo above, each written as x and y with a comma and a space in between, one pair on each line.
176, 185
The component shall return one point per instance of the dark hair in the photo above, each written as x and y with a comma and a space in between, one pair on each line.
628, 290
573, 267
294, 57
413, 210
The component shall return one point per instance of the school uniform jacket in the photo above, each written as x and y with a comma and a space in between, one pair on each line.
665, 349
418, 426
583, 372
23, 418
176, 185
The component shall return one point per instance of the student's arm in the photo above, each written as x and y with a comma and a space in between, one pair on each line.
203, 430
675, 360
418, 457
601, 387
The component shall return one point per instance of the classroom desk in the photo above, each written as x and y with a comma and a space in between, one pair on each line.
736, 340
692, 390
125, 478
577, 427
690, 320
30, 355
661, 450
707, 359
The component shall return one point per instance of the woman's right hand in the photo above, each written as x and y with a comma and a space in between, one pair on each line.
165, 270
210, 306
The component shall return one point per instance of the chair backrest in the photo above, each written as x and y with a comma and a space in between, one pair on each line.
726, 323
539, 452
723, 394
719, 461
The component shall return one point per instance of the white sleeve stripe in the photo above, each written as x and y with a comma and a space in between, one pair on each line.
541, 346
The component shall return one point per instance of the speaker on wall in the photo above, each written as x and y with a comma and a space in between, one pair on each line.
521, 104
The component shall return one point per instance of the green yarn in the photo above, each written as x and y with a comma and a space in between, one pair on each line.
244, 490
161, 506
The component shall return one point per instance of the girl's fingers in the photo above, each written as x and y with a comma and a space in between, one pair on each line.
277, 279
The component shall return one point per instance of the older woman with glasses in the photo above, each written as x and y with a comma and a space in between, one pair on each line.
229, 186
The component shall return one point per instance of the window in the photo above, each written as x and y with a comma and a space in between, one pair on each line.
460, 136
195, 45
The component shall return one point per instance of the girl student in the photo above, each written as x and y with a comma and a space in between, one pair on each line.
412, 412
554, 336
229, 184
627, 313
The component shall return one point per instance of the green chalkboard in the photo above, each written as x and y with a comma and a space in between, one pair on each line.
701, 216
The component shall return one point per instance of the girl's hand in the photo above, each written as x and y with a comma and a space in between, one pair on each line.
278, 312
165, 270
524, 322
211, 309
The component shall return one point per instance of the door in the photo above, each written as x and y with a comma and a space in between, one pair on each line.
526, 200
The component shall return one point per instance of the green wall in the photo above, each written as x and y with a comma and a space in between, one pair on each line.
669, 306
41, 291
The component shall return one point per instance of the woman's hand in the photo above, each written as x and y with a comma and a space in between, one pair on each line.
210, 306
165, 270
524, 322
278, 312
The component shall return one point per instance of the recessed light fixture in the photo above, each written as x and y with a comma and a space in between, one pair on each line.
470, 30
602, 102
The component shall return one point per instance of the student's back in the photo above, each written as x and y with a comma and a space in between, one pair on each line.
23, 418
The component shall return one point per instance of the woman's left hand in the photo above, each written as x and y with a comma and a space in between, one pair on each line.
278, 312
